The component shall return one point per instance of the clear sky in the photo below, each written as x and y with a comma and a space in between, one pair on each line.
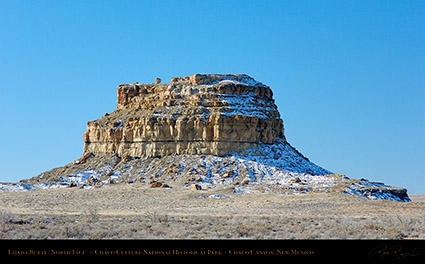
348, 76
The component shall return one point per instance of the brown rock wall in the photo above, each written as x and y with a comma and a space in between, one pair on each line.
200, 114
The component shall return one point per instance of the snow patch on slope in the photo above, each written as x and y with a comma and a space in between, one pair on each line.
376, 191
277, 167
282, 156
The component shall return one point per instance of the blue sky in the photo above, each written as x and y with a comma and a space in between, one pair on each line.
348, 76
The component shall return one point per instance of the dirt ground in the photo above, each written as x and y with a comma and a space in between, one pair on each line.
136, 211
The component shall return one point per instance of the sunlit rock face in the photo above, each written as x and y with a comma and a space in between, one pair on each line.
214, 114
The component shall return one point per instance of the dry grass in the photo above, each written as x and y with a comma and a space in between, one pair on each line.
138, 212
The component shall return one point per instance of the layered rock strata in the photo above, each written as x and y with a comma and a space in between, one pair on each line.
201, 114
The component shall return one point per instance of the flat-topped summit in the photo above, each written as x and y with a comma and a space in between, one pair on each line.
201, 114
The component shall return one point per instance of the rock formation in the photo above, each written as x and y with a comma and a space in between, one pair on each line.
201, 114
199, 132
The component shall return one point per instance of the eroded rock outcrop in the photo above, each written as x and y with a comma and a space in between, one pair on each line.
201, 114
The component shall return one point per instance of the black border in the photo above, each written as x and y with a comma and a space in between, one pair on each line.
366, 251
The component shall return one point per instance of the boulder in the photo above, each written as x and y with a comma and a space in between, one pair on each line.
195, 187
156, 185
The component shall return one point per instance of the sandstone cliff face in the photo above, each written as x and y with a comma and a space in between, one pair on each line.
200, 114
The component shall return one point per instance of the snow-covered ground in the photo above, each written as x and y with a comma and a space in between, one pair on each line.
375, 191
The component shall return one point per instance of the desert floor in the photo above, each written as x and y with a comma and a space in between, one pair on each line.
136, 211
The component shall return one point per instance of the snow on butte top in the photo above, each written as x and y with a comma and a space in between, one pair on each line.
205, 79
211, 79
